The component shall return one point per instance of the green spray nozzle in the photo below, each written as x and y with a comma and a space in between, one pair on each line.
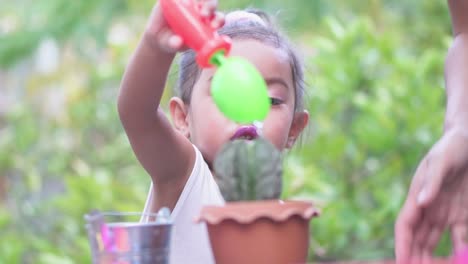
239, 90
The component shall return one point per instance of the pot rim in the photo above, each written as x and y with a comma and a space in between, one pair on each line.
246, 212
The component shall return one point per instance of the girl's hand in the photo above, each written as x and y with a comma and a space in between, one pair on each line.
160, 36
437, 200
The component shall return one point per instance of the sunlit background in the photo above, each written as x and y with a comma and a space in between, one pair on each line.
376, 98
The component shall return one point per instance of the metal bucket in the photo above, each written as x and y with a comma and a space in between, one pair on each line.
124, 238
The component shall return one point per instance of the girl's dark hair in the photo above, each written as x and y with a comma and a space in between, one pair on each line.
266, 33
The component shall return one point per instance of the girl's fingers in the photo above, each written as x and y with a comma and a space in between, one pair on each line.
175, 42
208, 8
211, 16
169, 41
156, 21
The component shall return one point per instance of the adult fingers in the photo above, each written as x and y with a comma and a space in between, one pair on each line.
437, 168
432, 239
426, 238
419, 176
447, 161
418, 247
459, 234
405, 226
409, 220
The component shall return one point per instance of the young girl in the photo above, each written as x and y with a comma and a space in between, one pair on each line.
178, 158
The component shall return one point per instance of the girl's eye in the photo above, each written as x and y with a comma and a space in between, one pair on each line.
275, 101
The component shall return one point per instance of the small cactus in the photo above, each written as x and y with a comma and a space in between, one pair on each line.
249, 170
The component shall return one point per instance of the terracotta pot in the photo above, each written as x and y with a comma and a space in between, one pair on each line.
259, 232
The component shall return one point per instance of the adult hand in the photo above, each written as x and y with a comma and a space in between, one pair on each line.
437, 200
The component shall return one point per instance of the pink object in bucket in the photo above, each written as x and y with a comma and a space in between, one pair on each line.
106, 238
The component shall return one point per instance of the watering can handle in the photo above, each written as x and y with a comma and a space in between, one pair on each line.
183, 17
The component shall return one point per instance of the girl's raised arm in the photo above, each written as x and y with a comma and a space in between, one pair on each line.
164, 153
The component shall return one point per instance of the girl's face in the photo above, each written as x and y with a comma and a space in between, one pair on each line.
209, 129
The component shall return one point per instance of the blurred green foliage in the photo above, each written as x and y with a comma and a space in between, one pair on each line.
376, 103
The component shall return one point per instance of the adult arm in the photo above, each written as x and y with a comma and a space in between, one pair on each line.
438, 196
